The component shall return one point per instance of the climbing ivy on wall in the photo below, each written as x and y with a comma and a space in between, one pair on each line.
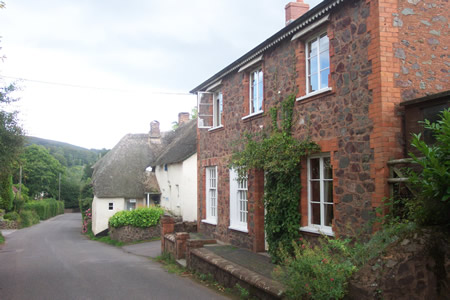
279, 155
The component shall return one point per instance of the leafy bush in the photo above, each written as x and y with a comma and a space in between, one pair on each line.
12, 215
85, 204
87, 221
141, 217
28, 218
2, 239
432, 204
46, 208
319, 272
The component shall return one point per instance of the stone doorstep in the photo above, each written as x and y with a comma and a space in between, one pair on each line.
256, 280
182, 262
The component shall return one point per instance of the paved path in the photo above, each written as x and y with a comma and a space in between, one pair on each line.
52, 260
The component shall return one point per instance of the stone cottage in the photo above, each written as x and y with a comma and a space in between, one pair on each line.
350, 65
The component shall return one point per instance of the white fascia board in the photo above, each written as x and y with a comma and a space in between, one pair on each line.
214, 85
251, 63
311, 27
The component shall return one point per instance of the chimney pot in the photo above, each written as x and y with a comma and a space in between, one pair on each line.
294, 10
183, 117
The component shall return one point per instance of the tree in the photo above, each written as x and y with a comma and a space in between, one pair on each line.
70, 192
11, 133
6, 192
41, 171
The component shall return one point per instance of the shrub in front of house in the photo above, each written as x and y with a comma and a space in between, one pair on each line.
318, 272
141, 217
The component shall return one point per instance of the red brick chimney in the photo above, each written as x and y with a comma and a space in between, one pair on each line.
294, 10
183, 117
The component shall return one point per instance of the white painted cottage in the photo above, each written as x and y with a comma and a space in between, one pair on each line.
126, 178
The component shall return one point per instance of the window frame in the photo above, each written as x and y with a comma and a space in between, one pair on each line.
319, 70
211, 203
319, 228
236, 209
110, 205
251, 99
217, 109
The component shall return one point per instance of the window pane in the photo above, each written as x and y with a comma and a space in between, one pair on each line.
328, 214
323, 43
315, 191
313, 65
315, 215
315, 168
313, 83
312, 46
260, 92
328, 168
328, 191
324, 60
324, 78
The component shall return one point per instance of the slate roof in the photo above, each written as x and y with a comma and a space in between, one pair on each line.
121, 173
308, 18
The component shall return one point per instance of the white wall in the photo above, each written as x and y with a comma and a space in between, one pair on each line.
101, 212
179, 188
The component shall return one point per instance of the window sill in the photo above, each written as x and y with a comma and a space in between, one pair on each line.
210, 222
238, 228
216, 128
259, 113
317, 230
328, 89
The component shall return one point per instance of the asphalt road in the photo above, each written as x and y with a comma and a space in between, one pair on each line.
52, 260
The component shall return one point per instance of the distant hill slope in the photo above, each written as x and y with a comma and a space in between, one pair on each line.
67, 154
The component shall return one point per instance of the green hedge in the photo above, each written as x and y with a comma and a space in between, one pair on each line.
28, 218
141, 217
46, 208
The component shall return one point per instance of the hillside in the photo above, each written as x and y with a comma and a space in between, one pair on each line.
68, 155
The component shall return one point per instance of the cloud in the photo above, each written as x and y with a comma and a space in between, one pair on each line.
127, 49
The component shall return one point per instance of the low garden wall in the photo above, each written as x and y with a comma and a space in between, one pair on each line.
7, 224
127, 234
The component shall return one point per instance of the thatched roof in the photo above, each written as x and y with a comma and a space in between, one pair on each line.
122, 172
183, 145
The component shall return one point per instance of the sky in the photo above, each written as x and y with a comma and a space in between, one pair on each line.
91, 72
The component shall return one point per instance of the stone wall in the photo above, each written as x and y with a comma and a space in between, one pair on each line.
338, 120
7, 224
126, 234
422, 48
416, 267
